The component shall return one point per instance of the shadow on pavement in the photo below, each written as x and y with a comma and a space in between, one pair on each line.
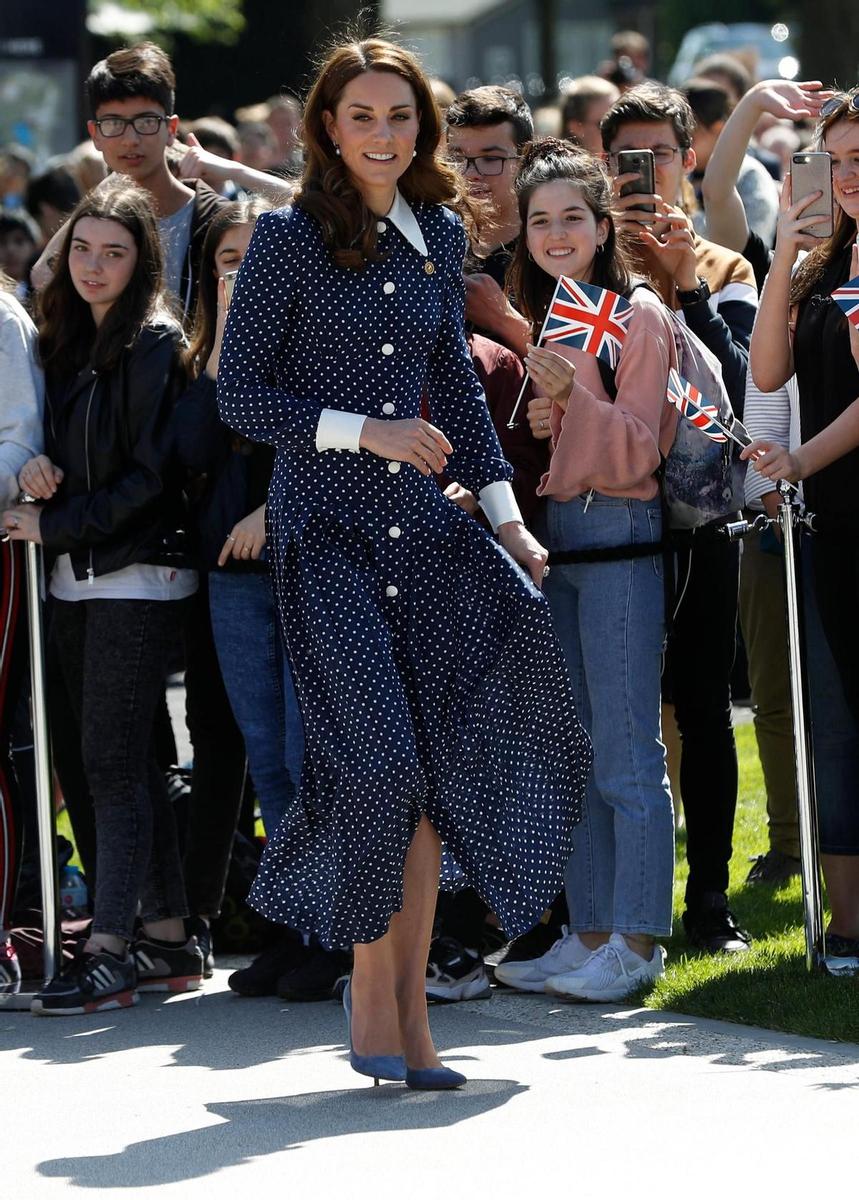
250, 1129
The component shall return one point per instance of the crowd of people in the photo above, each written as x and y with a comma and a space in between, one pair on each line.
182, 300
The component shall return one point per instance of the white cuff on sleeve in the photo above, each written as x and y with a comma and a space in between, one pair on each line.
339, 430
499, 504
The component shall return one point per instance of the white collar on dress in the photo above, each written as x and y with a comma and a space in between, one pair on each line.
405, 220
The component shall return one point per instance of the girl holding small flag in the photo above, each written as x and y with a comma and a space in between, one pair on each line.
603, 526
801, 328
436, 703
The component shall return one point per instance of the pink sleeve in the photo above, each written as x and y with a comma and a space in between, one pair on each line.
616, 445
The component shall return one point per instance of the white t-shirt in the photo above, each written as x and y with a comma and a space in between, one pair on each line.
140, 581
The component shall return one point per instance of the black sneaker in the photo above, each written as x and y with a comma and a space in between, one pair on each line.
842, 955
455, 973
773, 867
201, 930
10, 969
318, 977
90, 983
260, 977
710, 925
168, 966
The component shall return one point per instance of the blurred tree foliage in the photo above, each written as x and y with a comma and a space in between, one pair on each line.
201, 20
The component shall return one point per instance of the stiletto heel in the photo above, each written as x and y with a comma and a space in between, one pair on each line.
377, 1066
433, 1079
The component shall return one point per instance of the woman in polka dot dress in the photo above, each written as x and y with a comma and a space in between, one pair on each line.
436, 703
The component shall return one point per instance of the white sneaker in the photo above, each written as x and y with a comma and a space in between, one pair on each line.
567, 954
609, 974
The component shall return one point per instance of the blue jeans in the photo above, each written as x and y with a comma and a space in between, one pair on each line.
610, 619
259, 684
834, 735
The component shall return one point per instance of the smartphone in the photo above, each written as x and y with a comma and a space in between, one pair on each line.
229, 284
642, 162
811, 171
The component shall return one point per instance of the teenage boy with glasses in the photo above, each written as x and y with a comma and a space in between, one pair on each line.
132, 99
487, 128
714, 291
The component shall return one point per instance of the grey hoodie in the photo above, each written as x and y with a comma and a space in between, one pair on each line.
22, 396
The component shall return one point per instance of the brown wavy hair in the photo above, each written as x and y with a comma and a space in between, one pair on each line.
546, 161
816, 262
68, 337
240, 212
328, 191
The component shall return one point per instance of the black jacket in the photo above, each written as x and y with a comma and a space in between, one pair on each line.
120, 501
235, 474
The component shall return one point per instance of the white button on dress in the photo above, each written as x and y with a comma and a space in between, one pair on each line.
394, 467
387, 348
381, 226
389, 288
388, 408
390, 590
394, 531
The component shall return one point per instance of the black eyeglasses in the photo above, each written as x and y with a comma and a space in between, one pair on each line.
146, 124
850, 98
484, 164
663, 156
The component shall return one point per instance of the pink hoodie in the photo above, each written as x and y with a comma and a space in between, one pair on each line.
615, 447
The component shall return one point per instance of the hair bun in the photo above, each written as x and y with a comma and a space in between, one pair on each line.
546, 147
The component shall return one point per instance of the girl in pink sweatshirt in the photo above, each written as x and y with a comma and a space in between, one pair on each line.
602, 495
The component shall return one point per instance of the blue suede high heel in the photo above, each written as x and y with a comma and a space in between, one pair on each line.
433, 1079
377, 1066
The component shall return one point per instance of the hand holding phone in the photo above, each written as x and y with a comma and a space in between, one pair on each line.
810, 172
643, 164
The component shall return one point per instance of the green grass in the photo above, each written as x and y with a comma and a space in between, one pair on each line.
769, 986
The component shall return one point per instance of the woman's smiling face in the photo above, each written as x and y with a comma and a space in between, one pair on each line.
375, 127
842, 142
562, 232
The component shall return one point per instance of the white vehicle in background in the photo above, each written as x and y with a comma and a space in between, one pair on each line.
766, 49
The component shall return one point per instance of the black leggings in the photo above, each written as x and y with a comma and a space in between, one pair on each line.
699, 661
114, 657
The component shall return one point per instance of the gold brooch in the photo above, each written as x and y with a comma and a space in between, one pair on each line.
429, 268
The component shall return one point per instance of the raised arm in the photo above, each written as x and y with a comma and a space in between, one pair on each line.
771, 353
726, 217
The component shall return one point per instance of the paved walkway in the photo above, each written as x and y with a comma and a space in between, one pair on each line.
215, 1096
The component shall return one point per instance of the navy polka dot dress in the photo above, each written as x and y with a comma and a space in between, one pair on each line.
428, 672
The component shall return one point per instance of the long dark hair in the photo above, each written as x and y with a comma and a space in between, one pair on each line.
240, 212
546, 161
68, 336
328, 191
814, 264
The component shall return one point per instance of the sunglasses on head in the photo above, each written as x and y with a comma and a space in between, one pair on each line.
851, 99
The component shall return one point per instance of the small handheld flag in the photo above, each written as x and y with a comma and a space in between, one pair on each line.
586, 317
847, 299
691, 404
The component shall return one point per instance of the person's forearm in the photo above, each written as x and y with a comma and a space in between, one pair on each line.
42, 269
272, 187
723, 169
771, 356
726, 216
831, 443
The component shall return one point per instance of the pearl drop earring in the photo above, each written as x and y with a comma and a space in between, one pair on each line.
336, 149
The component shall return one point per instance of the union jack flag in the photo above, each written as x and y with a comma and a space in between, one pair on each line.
588, 318
847, 299
691, 404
